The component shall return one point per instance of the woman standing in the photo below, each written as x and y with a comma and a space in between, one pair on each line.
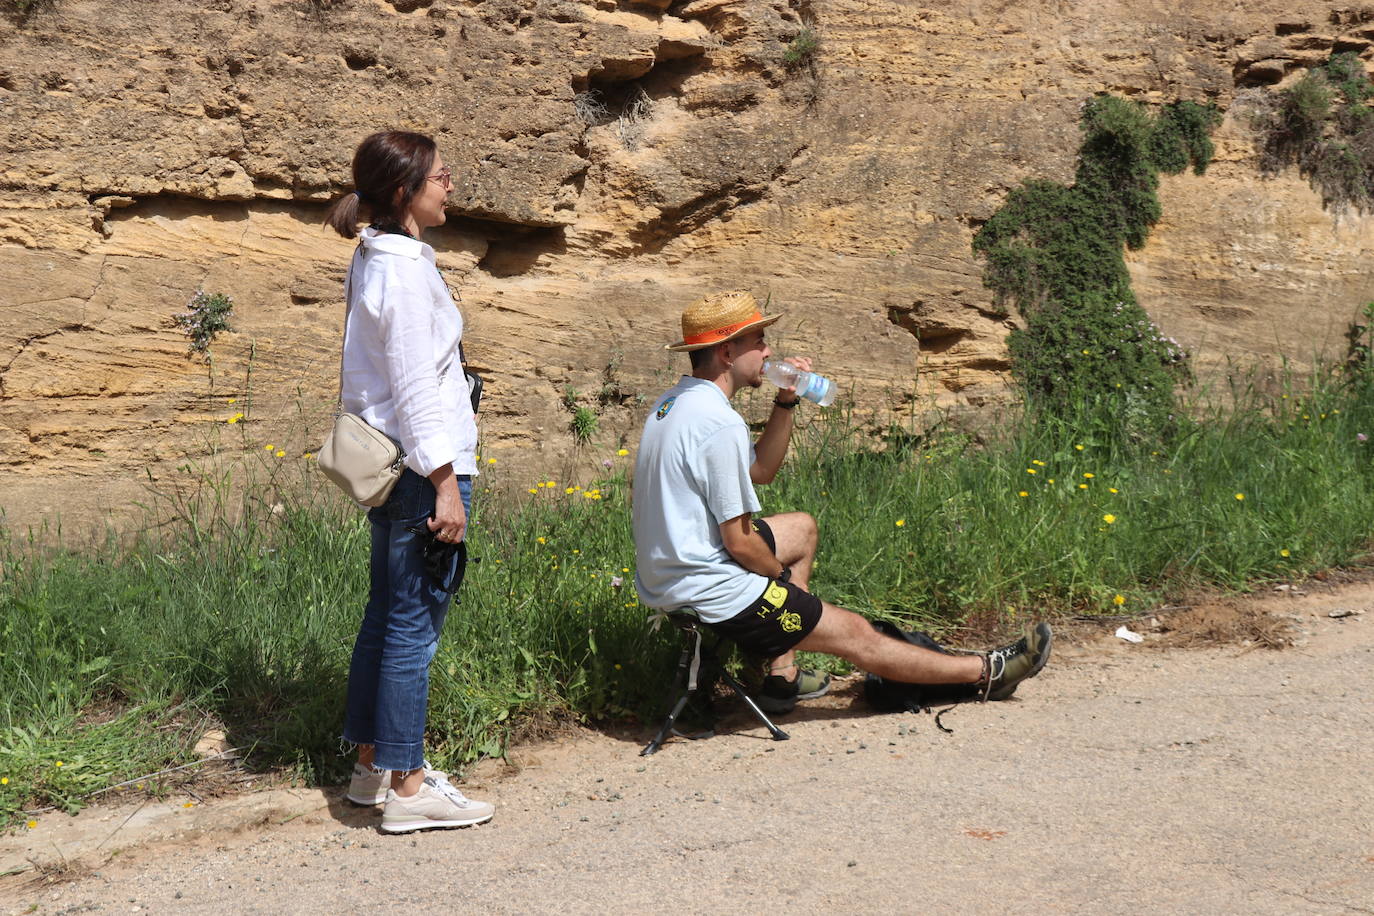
402, 374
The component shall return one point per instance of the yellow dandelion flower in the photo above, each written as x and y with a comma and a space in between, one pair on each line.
624, 569
1023, 493
1037, 462
1051, 480
4, 780
308, 455
1109, 519
617, 666
1031, 471
233, 400
281, 454
31, 824
550, 484
491, 461
1089, 476
1078, 447
569, 491
188, 805
269, 447
533, 490
234, 419
622, 453
1113, 490
58, 764
576, 550
1284, 552
1082, 486
541, 539
1085, 352
1119, 600
1240, 496
901, 523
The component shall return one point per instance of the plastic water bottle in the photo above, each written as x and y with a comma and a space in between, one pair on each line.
809, 385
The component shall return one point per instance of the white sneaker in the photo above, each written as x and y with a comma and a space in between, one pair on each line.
437, 804
368, 785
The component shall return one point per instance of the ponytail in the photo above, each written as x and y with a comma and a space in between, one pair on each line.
343, 217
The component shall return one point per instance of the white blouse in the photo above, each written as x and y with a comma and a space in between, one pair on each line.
401, 371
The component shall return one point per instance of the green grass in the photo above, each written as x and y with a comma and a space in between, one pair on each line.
116, 658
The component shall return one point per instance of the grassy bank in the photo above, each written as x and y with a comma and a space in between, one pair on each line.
115, 659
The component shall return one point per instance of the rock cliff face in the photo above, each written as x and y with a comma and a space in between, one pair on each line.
613, 160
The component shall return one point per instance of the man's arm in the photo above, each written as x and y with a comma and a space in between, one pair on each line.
748, 548
772, 445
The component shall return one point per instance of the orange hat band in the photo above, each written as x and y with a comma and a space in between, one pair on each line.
717, 334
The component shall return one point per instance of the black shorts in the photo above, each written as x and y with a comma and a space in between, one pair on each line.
780, 618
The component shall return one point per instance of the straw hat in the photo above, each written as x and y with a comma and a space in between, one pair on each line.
720, 317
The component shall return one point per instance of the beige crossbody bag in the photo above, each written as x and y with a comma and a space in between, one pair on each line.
363, 461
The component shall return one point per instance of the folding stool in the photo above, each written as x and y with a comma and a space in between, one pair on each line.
690, 676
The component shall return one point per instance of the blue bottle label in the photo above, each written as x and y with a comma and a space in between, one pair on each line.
817, 390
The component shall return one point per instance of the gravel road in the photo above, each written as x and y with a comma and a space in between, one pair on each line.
1125, 779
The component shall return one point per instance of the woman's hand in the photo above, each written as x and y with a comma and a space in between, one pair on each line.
450, 521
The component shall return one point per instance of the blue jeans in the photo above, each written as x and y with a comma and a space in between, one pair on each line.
388, 680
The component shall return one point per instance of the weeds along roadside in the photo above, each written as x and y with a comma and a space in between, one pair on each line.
243, 611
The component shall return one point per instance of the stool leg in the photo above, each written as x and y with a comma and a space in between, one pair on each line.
682, 690
655, 744
777, 733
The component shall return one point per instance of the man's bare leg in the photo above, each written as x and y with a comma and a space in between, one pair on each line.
797, 535
853, 638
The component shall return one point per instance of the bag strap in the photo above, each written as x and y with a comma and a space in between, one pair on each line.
358, 254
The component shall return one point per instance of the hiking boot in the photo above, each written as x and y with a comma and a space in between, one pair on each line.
779, 695
368, 785
1012, 664
437, 804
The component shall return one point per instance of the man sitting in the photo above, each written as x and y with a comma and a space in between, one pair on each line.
699, 549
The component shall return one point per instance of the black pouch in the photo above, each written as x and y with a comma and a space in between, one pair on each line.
474, 388
446, 563
886, 695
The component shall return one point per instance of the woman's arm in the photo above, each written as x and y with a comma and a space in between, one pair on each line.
450, 520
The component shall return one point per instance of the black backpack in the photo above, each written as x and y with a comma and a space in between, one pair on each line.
895, 696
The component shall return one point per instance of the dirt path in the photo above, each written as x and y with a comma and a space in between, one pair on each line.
1126, 779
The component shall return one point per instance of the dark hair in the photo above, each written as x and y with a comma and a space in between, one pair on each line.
384, 164
701, 358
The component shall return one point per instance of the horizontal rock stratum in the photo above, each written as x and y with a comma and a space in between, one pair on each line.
612, 162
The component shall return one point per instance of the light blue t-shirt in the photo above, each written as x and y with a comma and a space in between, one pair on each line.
691, 475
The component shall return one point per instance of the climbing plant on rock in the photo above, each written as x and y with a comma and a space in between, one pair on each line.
1088, 354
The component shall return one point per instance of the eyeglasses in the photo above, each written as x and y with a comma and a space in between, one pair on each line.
443, 177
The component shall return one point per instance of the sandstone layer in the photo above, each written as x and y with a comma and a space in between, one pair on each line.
613, 161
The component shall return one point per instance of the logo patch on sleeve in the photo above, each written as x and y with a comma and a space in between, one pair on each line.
665, 407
